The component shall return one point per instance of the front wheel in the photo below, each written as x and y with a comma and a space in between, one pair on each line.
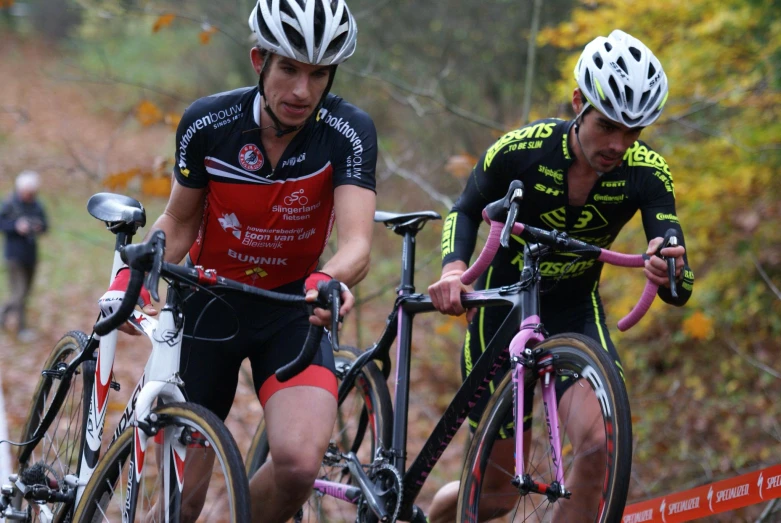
197, 476
596, 468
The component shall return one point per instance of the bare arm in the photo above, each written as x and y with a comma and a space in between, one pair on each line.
181, 220
354, 209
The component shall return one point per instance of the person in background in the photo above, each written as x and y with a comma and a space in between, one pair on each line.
22, 219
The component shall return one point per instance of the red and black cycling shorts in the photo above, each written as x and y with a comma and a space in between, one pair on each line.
270, 336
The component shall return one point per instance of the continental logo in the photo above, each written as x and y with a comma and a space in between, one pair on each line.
540, 130
588, 220
608, 198
449, 234
666, 217
557, 175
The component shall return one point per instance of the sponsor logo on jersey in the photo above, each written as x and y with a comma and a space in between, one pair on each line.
666, 217
295, 211
557, 174
588, 219
250, 157
608, 198
256, 260
619, 183
354, 161
293, 160
547, 190
296, 197
540, 130
231, 222
217, 119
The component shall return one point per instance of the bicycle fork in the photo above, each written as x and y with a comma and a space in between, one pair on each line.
521, 357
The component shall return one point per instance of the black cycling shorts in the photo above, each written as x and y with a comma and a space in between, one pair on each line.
584, 316
269, 335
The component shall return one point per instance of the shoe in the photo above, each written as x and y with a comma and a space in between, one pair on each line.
26, 336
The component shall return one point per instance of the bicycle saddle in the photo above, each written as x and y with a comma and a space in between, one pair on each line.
391, 219
117, 208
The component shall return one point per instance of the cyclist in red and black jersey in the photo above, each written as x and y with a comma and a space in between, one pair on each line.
586, 177
262, 174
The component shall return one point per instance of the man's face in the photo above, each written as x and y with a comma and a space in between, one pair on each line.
604, 141
293, 89
27, 195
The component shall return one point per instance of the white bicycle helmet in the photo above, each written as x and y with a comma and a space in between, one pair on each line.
317, 32
623, 79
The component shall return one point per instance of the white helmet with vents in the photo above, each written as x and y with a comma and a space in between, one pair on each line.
623, 79
317, 32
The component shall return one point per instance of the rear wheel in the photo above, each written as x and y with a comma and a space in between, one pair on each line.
599, 494
57, 453
363, 426
213, 484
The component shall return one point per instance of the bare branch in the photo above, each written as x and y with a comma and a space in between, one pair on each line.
530, 61
770, 509
765, 277
756, 363
111, 80
394, 168
429, 95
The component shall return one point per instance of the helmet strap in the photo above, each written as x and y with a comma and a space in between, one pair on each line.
578, 119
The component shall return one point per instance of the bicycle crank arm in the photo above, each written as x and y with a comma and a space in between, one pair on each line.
366, 487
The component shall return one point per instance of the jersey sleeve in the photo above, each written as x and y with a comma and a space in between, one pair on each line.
658, 212
189, 168
356, 163
488, 182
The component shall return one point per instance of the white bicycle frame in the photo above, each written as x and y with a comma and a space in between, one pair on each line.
160, 380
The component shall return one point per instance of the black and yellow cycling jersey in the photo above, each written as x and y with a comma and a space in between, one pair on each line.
539, 155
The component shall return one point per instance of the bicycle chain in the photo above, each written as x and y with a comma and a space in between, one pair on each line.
365, 515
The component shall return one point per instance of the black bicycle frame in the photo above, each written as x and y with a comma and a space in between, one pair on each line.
523, 299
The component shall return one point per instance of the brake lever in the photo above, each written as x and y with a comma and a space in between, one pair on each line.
152, 281
336, 304
504, 239
670, 240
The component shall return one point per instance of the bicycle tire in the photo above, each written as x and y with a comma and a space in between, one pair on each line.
571, 352
104, 495
61, 444
349, 434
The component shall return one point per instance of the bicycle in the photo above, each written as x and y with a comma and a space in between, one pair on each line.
381, 488
151, 444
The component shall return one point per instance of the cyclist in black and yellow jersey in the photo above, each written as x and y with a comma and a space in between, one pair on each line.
587, 177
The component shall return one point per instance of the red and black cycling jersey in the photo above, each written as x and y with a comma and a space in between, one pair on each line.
539, 155
263, 226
